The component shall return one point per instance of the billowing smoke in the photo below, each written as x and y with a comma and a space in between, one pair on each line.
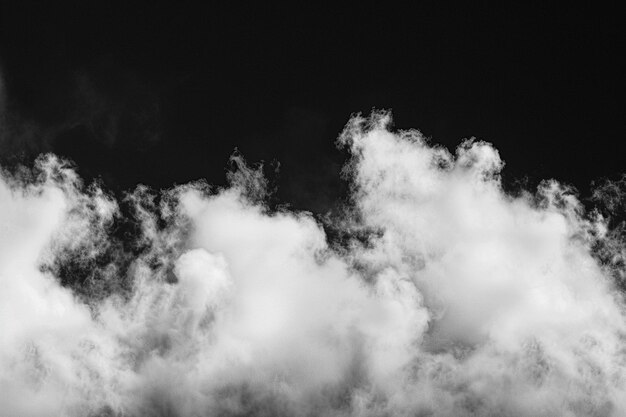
444, 296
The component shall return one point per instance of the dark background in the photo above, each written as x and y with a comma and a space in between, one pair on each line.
163, 94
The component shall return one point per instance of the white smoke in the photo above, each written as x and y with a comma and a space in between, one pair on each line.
457, 299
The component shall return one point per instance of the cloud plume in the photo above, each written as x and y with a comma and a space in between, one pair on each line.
448, 296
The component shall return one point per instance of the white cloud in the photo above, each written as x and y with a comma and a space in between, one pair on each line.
466, 301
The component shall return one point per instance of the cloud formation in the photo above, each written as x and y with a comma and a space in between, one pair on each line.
449, 296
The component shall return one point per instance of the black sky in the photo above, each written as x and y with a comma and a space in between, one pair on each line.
163, 94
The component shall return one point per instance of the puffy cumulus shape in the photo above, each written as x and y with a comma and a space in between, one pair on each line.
203, 279
448, 296
42, 326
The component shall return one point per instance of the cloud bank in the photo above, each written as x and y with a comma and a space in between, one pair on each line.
448, 296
